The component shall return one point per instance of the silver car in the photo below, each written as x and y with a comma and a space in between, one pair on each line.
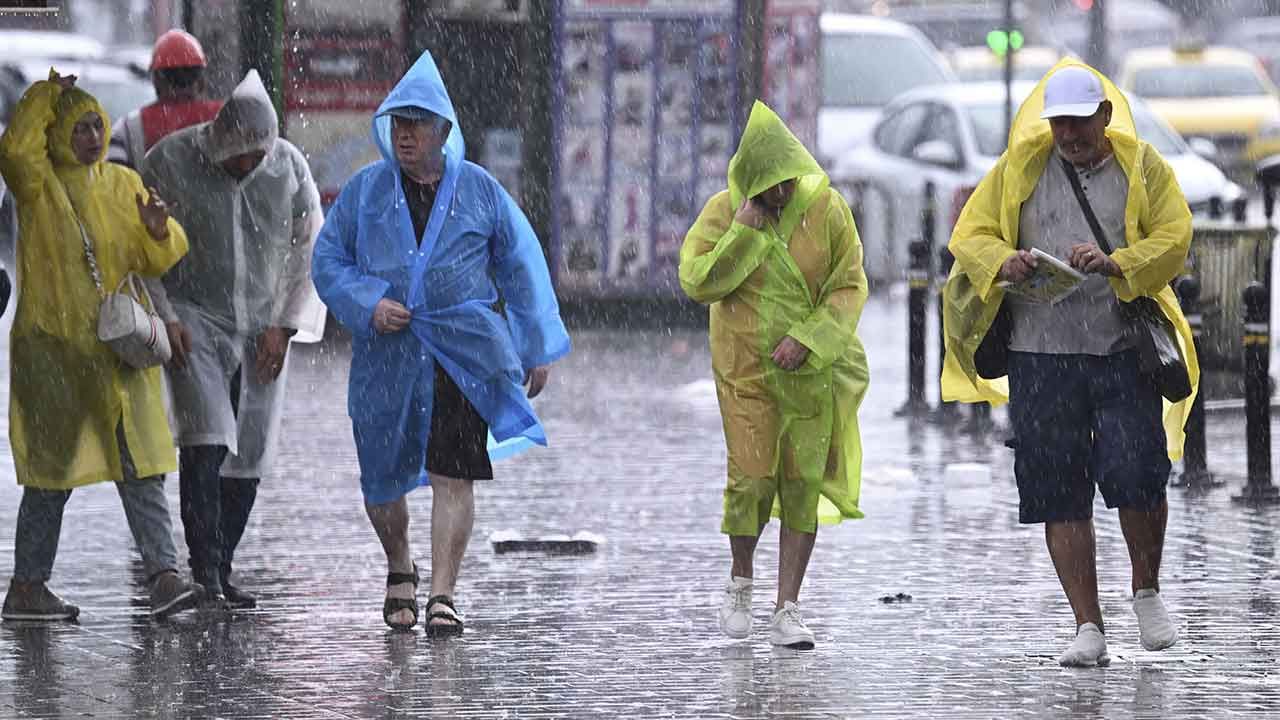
952, 135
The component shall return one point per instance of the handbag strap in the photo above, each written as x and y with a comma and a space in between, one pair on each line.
1085, 206
92, 258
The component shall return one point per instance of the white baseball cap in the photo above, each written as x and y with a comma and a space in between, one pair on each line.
1073, 91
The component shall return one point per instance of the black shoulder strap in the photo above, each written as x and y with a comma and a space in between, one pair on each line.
1085, 206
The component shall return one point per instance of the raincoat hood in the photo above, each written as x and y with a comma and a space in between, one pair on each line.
71, 105
768, 154
1032, 132
421, 87
246, 123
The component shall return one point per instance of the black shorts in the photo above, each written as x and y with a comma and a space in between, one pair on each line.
1081, 421
458, 445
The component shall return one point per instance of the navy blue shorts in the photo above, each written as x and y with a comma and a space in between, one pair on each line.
1080, 421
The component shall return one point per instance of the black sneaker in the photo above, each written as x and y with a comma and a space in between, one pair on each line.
36, 603
238, 599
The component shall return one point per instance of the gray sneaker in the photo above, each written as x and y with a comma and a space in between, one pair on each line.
171, 594
36, 602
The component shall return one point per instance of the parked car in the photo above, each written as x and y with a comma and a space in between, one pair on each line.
866, 61
119, 88
19, 44
1218, 93
951, 135
1260, 36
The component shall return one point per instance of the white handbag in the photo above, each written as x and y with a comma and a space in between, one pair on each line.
131, 329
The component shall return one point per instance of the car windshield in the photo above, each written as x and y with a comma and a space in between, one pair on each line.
995, 72
869, 69
119, 96
987, 120
1197, 81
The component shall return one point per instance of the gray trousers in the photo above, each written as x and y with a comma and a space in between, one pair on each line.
146, 508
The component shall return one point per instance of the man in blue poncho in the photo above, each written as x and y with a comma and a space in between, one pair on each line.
413, 258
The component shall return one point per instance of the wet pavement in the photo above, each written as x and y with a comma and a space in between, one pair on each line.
630, 631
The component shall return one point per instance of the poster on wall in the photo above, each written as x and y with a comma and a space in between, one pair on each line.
335, 76
646, 116
792, 83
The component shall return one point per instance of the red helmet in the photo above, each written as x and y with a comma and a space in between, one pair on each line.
177, 49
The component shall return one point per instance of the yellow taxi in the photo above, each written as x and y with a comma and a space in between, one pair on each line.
980, 63
1220, 94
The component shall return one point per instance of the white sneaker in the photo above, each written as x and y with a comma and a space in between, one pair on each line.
1089, 649
735, 608
788, 628
1155, 629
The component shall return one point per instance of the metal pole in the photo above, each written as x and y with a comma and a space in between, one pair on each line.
918, 282
947, 412
1008, 67
1257, 396
1195, 466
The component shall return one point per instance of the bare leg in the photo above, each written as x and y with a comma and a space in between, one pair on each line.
1144, 534
391, 522
1071, 545
794, 550
453, 511
743, 548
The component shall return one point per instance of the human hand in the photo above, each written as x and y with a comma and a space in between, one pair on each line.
179, 344
273, 343
751, 214
66, 81
154, 214
790, 353
536, 379
390, 316
1089, 258
1018, 267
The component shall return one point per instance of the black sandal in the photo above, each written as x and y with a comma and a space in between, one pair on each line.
452, 628
394, 605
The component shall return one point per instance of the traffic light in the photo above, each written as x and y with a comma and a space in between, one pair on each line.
1084, 5
1000, 41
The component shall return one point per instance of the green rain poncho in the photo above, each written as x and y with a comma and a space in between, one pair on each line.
791, 433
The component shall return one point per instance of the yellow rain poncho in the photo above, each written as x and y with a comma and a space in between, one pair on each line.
795, 433
1157, 238
67, 391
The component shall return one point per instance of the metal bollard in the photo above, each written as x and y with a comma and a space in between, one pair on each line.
948, 412
918, 297
1195, 466
1257, 396
1240, 208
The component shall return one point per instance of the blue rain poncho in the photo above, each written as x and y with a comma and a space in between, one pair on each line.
478, 247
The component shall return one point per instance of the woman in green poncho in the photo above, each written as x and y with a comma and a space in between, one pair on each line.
778, 258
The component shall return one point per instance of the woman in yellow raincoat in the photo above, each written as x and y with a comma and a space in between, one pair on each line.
77, 414
1081, 414
778, 258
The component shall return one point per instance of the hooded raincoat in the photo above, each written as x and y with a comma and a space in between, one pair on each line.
68, 392
249, 269
477, 248
1157, 237
801, 276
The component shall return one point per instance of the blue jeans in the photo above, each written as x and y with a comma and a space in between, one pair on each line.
146, 509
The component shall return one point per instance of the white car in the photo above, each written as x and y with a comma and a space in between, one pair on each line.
952, 135
866, 61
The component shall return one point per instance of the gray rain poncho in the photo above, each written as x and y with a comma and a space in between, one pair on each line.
248, 270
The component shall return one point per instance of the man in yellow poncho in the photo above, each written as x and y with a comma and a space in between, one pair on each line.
778, 258
1082, 413
77, 414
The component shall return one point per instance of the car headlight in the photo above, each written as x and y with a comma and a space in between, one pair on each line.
1269, 130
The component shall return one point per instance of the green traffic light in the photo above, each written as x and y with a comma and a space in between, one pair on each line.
999, 41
